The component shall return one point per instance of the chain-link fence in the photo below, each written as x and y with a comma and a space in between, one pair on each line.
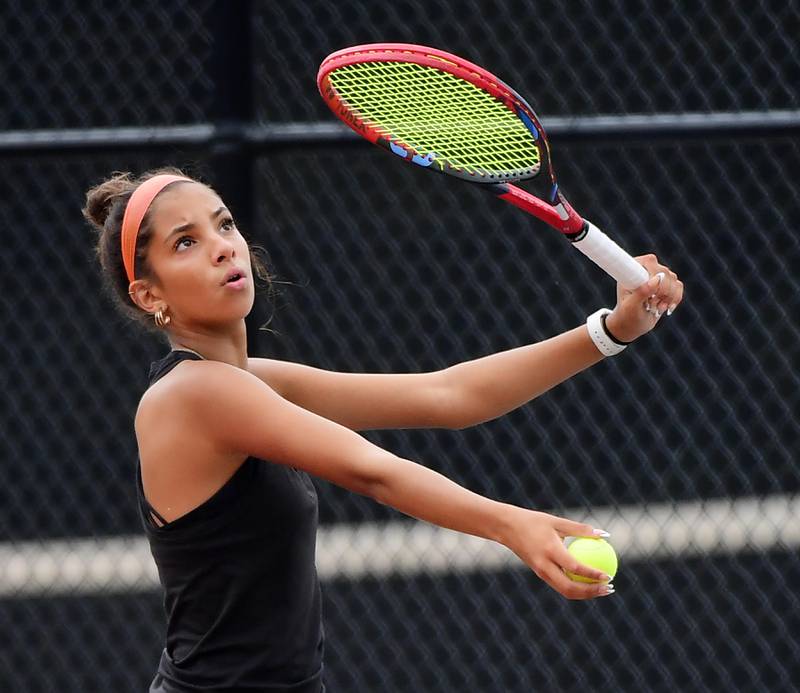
685, 447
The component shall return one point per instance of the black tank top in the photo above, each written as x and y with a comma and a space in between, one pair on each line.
241, 591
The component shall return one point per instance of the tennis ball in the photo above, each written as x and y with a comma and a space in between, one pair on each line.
596, 553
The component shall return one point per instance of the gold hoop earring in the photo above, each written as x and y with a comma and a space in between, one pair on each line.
161, 320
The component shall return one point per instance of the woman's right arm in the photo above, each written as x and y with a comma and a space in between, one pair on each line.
242, 414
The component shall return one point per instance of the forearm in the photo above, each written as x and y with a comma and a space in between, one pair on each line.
493, 385
427, 495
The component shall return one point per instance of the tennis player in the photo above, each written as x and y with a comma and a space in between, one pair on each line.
227, 441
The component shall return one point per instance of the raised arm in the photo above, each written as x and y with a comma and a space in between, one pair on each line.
471, 392
241, 414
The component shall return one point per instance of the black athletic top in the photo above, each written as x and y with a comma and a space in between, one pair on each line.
241, 590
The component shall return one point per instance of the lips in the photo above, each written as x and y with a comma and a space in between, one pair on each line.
233, 274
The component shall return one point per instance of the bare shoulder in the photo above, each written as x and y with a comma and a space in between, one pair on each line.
194, 388
227, 409
192, 427
178, 422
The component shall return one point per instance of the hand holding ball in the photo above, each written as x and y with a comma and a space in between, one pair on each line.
596, 553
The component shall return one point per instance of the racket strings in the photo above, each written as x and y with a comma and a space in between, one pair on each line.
433, 111
414, 116
429, 120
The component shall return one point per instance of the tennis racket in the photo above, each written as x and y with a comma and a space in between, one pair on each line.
445, 114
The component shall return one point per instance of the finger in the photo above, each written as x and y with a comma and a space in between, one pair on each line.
663, 294
649, 262
650, 294
569, 528
646, 290
676, 298
555, 577
665, 287
668, 285
667, 291
570, 564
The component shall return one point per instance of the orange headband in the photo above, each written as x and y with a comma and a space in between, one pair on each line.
135, 210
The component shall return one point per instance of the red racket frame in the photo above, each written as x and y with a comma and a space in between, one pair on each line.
560, 215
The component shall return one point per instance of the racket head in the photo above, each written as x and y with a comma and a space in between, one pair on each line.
436, 110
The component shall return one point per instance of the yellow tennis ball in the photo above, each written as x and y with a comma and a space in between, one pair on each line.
596, 553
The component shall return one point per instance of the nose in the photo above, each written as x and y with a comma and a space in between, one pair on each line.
224, 250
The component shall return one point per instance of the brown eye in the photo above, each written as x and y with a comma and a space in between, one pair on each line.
181, 240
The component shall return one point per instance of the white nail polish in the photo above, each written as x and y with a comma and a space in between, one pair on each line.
600, 533
671, 310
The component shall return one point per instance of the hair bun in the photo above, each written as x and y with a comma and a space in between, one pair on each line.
101, 198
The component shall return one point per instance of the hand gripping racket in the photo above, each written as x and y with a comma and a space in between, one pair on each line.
445, 114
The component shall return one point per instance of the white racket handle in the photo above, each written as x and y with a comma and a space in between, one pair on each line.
607, 255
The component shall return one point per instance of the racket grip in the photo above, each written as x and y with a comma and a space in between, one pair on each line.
607, 255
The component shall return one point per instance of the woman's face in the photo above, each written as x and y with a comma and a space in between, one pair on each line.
193, 248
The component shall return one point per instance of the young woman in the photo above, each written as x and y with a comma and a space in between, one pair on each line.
227, 441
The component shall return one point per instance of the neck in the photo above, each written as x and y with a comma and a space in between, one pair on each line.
229, 346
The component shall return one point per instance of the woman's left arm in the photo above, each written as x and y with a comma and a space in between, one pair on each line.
474, 391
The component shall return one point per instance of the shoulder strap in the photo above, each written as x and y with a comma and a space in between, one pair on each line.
158, 369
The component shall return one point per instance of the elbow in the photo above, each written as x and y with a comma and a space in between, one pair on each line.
380, 492
462, 408
452, 411
373, 479
382, 483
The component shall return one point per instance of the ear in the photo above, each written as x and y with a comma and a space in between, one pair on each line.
146, 295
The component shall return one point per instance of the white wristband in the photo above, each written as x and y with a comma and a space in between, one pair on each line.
605, 343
